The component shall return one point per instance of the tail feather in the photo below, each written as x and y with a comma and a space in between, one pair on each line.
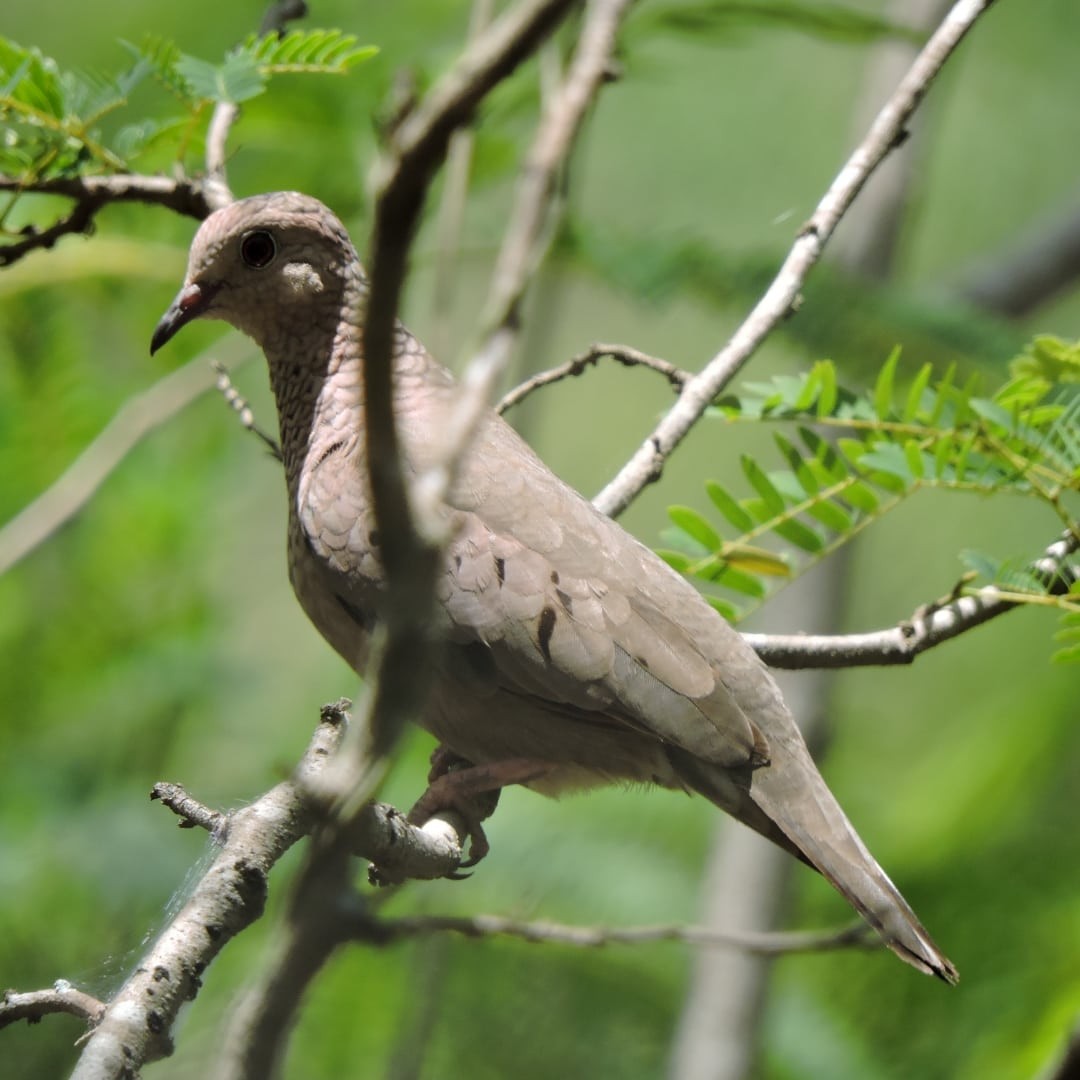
788, 802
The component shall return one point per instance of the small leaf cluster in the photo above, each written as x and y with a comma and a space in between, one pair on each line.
852, 457
54, 121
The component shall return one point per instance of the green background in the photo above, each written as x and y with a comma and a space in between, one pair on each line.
155, 637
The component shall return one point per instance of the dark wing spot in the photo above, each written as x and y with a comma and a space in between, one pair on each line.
457, 562
554, 577
642, 662
566, 600
332, 449
544, 631
500, 570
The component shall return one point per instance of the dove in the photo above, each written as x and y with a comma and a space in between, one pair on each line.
572, 656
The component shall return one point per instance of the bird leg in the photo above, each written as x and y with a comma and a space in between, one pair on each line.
471, 791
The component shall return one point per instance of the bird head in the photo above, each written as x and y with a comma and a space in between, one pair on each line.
254, 261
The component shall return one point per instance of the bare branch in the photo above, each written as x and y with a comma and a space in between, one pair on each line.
928, 627
387, 931
136, 418
32, 1005
239, 405
137, 1023
192, 813
184, 195
624, 354
80, 220
885, 133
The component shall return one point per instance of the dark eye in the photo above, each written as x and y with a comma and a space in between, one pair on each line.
258, 249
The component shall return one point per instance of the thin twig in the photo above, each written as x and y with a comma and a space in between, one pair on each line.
239, 405
192, 813
32, 1005
928, 627
885, 133
387, 931
623, 354
136, 418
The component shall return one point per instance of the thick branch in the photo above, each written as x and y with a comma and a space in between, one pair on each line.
885, 133
137, 1024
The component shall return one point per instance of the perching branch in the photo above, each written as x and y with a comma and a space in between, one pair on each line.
885, 133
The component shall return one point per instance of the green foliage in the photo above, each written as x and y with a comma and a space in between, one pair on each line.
890, 442
54, 119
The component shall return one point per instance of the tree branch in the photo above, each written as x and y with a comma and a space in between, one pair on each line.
388, 931
623, 354
136, 418
885, 133
32, 1005
931, 625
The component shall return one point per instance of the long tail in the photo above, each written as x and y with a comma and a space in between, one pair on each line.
789, 802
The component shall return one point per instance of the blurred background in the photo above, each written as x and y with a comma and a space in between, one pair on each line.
156, 636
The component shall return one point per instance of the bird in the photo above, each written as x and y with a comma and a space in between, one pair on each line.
572, 655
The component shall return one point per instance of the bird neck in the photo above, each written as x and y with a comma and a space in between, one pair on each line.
317, 380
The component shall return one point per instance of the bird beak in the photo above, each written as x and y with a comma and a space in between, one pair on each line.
191, 302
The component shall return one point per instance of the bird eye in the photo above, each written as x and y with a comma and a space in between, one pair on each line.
258, 249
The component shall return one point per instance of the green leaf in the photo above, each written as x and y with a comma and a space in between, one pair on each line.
694, 525
728, 610
830, 515
827, 398
237, 79
762, 485
825, 454
914, 404
747, 584
915, 457
986, 566
330, 52
728, 506
677, 560
860, 496
802, 536
799, 468
890, 459
883, 388
756, 560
